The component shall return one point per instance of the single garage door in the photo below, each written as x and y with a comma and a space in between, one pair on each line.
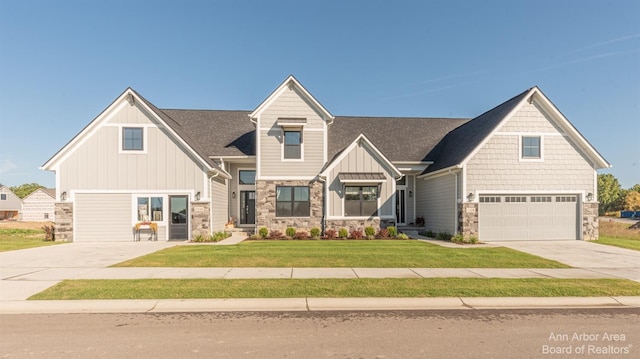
102, 217
528, 217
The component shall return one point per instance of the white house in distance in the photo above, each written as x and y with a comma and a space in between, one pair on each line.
10, 204
39, 206
520, 171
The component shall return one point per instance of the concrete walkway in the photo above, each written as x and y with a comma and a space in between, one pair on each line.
29, 271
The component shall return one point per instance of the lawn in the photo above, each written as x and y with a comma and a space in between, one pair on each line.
340, 254
21, 238
334, 288
619, 235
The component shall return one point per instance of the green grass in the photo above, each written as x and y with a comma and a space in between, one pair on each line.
619, 235
12, 239
334, 288
340, 254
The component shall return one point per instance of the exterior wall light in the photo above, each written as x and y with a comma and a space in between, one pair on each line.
589, 196
233, 195
197, 196
470, 197
63, 196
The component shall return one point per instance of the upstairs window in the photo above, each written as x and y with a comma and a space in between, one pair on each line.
3, 196
531, 148
292, 144
132, 139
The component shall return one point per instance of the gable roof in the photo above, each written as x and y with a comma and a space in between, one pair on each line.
179, 132
361, 139
51, 192
459, 145
291, 82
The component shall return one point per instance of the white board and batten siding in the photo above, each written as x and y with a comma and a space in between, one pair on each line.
361, 159
436, 201
219, 197
290, 104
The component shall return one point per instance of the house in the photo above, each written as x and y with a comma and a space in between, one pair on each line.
39, 206
10, 204
518, 171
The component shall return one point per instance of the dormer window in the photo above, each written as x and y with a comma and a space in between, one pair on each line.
132, 139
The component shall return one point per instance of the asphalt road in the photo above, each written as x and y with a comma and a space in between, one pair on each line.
589, 333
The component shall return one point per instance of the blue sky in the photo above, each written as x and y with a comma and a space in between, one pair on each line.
63, 62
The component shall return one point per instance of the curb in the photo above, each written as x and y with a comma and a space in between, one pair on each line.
309, 304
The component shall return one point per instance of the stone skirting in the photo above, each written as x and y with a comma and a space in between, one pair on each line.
590, 230
200, 219
468, 219
64, 221
266, 206
353, 224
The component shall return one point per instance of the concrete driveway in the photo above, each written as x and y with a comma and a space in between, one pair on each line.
28, 271
615, 261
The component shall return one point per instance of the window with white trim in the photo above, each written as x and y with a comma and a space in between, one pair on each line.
360, 201
150, 209
3, 197
132, 139
531, 147
292, 144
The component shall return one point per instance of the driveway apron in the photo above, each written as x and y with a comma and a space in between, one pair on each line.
28, 271
614, 261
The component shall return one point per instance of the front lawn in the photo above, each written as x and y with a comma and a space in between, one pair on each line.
340, 254
619, 235
17, 238
335, 288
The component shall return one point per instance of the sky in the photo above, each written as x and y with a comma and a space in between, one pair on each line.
63, 62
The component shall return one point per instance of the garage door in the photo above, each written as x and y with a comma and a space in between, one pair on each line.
102, 217
528, 217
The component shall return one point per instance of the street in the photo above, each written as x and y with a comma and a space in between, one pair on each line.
570, 333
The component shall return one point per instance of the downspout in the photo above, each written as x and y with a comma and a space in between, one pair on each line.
211, 201
323, 221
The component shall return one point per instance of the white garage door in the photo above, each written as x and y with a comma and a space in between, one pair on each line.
528, 217
102, 217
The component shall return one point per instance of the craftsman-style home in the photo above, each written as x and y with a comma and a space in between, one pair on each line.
520, 171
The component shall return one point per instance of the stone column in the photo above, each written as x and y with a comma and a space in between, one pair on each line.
468, 219
590, 230
64, 221
200, 219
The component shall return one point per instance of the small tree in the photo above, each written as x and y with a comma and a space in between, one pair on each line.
610, 193
632, 201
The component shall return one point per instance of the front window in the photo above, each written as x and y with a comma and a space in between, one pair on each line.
247, 177
132, 139
292, 201
292, 144
531, 147
361, 201
150, 209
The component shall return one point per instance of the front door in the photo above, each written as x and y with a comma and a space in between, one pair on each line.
178, 222
400, 206
247, 207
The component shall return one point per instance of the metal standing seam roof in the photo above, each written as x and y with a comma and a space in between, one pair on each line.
364, 176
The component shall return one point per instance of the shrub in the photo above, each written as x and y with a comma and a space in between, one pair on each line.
383, 233
330, 234
393, 231
275, 234
314, 232
218, 236
49, 233
473, 240
356, 234
430, 234
290, 232
263, 232
402, 236
199, 238
301, 235
458, 238
369, 231
343, 233
444, 236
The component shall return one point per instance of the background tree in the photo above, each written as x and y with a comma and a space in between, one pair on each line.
610, 194
636, 187
26, 189
632, 201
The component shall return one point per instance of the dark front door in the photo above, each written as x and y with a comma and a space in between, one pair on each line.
178, 223
400, 207
247, 207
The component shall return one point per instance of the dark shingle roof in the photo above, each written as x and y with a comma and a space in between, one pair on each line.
398, 138
460, 142
219, 133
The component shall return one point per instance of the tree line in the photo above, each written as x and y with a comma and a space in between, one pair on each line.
613, 197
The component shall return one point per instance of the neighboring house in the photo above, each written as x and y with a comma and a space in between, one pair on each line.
10, 204
518, 171
39, 206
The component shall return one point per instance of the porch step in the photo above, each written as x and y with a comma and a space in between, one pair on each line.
239, 231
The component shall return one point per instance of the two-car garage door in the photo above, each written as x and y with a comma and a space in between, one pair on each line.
528, 217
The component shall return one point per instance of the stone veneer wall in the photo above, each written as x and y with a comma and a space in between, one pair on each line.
468, 219
590, 230
64, 221
266, 206
200, 219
